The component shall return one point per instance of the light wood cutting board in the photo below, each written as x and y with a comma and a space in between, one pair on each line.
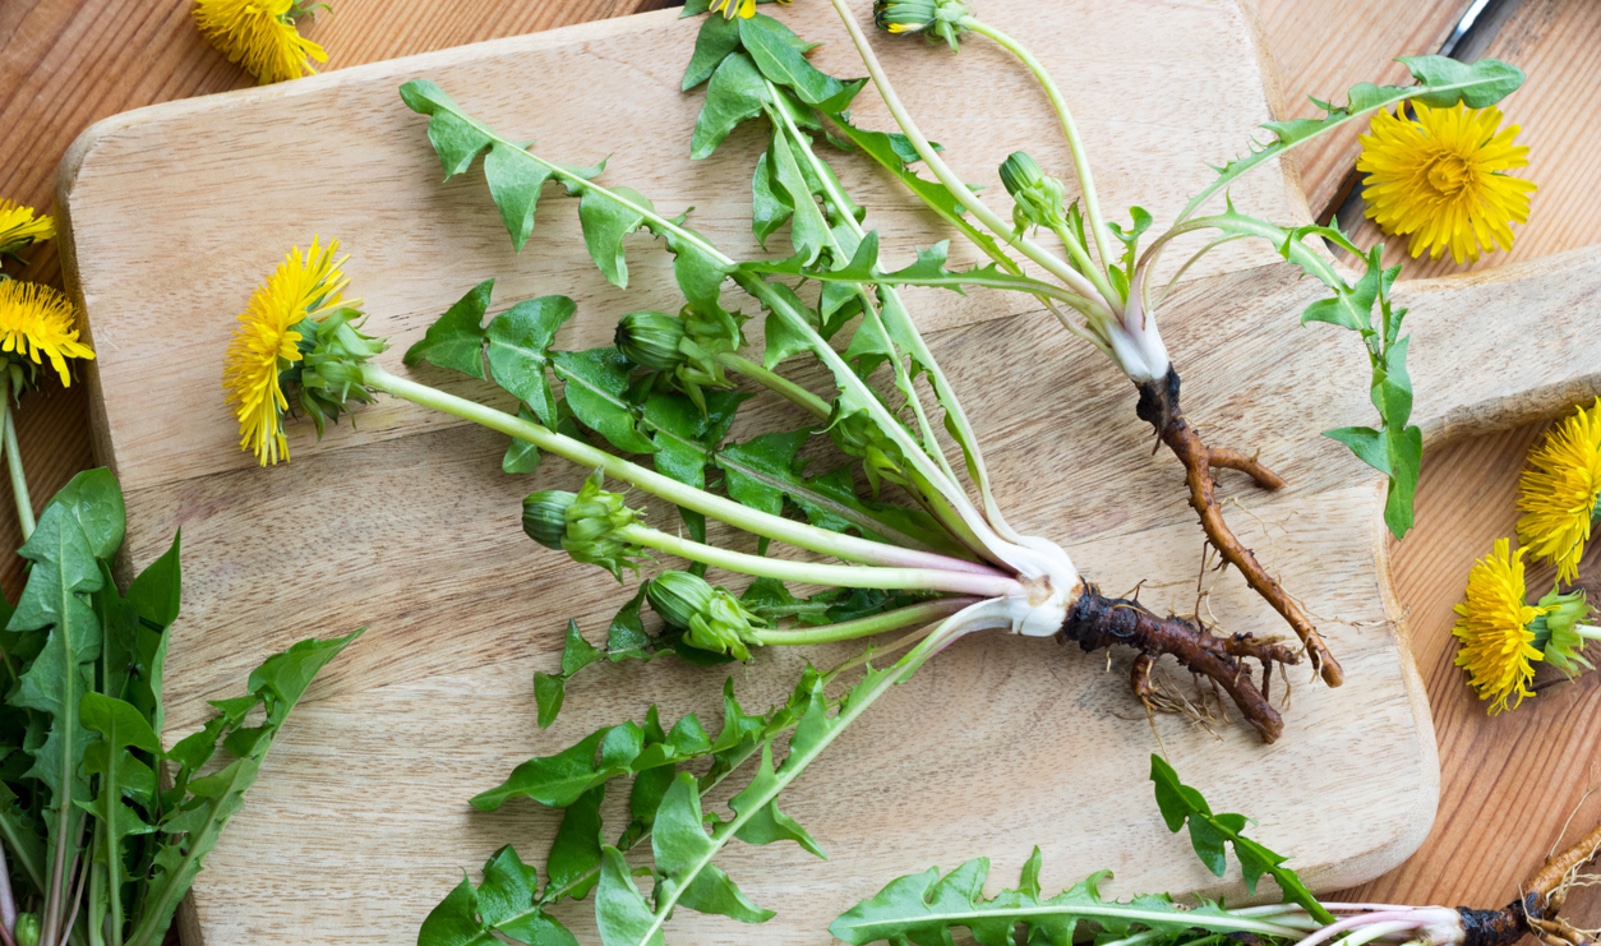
359, 823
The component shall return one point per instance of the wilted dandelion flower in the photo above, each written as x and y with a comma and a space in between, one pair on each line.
260, 35
1440, 179
266, 343
37, 320
1497, 644
1559, 491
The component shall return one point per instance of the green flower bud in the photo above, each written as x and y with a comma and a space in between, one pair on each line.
1039, 198
712, 618
592, 523
651, 340
1556, 631
940, 19
678, 596
545, 516
858, 436
27, 930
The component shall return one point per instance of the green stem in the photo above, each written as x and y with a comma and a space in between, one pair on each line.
777, 383
19, 481
797, 762
862, 627
1081, 161
1588, 631
1081, 256
966, 582
1052, 263
798, 534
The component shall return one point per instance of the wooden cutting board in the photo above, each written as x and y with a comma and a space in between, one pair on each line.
359, 823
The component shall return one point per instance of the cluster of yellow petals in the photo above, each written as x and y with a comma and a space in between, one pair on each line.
1558, 491
732, 8
1440, 179
20, 227
259, 35
1497, 647
38, 320
264, 344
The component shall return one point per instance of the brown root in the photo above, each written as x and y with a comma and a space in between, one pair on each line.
1159, 406
1536, 912
1097, 621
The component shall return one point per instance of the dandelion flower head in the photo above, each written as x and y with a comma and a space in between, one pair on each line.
37, 320
1440, 179
265, 344
1559, 489
1497, 649
20, 227
259, 35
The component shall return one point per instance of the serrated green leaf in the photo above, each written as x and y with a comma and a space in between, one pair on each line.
1368, 444
456, 140
605, 222
681, 846
504, 903
514, 185
626, 637
757, 469
718, 37
456, 339
1449, 81
774, 49
735, 94
596, 379
620, 909
550, 690
770, 206
809, 232
766, 824
575, 854
519, 342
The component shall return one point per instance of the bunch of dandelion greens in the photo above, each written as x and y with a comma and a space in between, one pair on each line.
1502, 635
37, 322
93, 848
927, 907
1110, 285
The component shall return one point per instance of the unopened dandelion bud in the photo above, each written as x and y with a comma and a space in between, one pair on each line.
940, 19
1558, 631
678, 596
651, 340
1039, 197
723, 626
27, 930
593, 520
545, 516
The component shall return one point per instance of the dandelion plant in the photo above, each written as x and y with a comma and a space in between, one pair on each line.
1102, 285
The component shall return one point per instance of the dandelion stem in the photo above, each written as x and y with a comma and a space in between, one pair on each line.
823, 573
1081, 161
799, 534
776, 383
1588, 631
862, 627
19, 480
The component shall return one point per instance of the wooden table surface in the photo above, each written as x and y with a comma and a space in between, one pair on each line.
1508, 785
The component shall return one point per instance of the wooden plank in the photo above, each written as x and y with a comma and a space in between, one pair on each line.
1322, 49
447, 656
66, 64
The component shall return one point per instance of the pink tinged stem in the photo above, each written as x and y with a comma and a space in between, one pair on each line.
1361, 919
8, 901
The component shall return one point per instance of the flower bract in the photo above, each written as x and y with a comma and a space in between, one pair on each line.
259, 35
1440, 179
21, 227
1493, 625
1559, 490
265, 344
37, 320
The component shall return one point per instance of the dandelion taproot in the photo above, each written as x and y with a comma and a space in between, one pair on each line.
1559, 490
260, 35
37, 320
1440, 179
21, 227
266, 343
1493, 624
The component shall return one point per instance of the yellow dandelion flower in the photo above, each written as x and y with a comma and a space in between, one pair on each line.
37, 320
1440, 179
1559, 490
732, 8
265, 344
19, 227
259, 35
1493, 622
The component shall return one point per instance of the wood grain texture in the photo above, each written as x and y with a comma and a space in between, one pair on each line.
1322, 49
66, 64
404, 537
